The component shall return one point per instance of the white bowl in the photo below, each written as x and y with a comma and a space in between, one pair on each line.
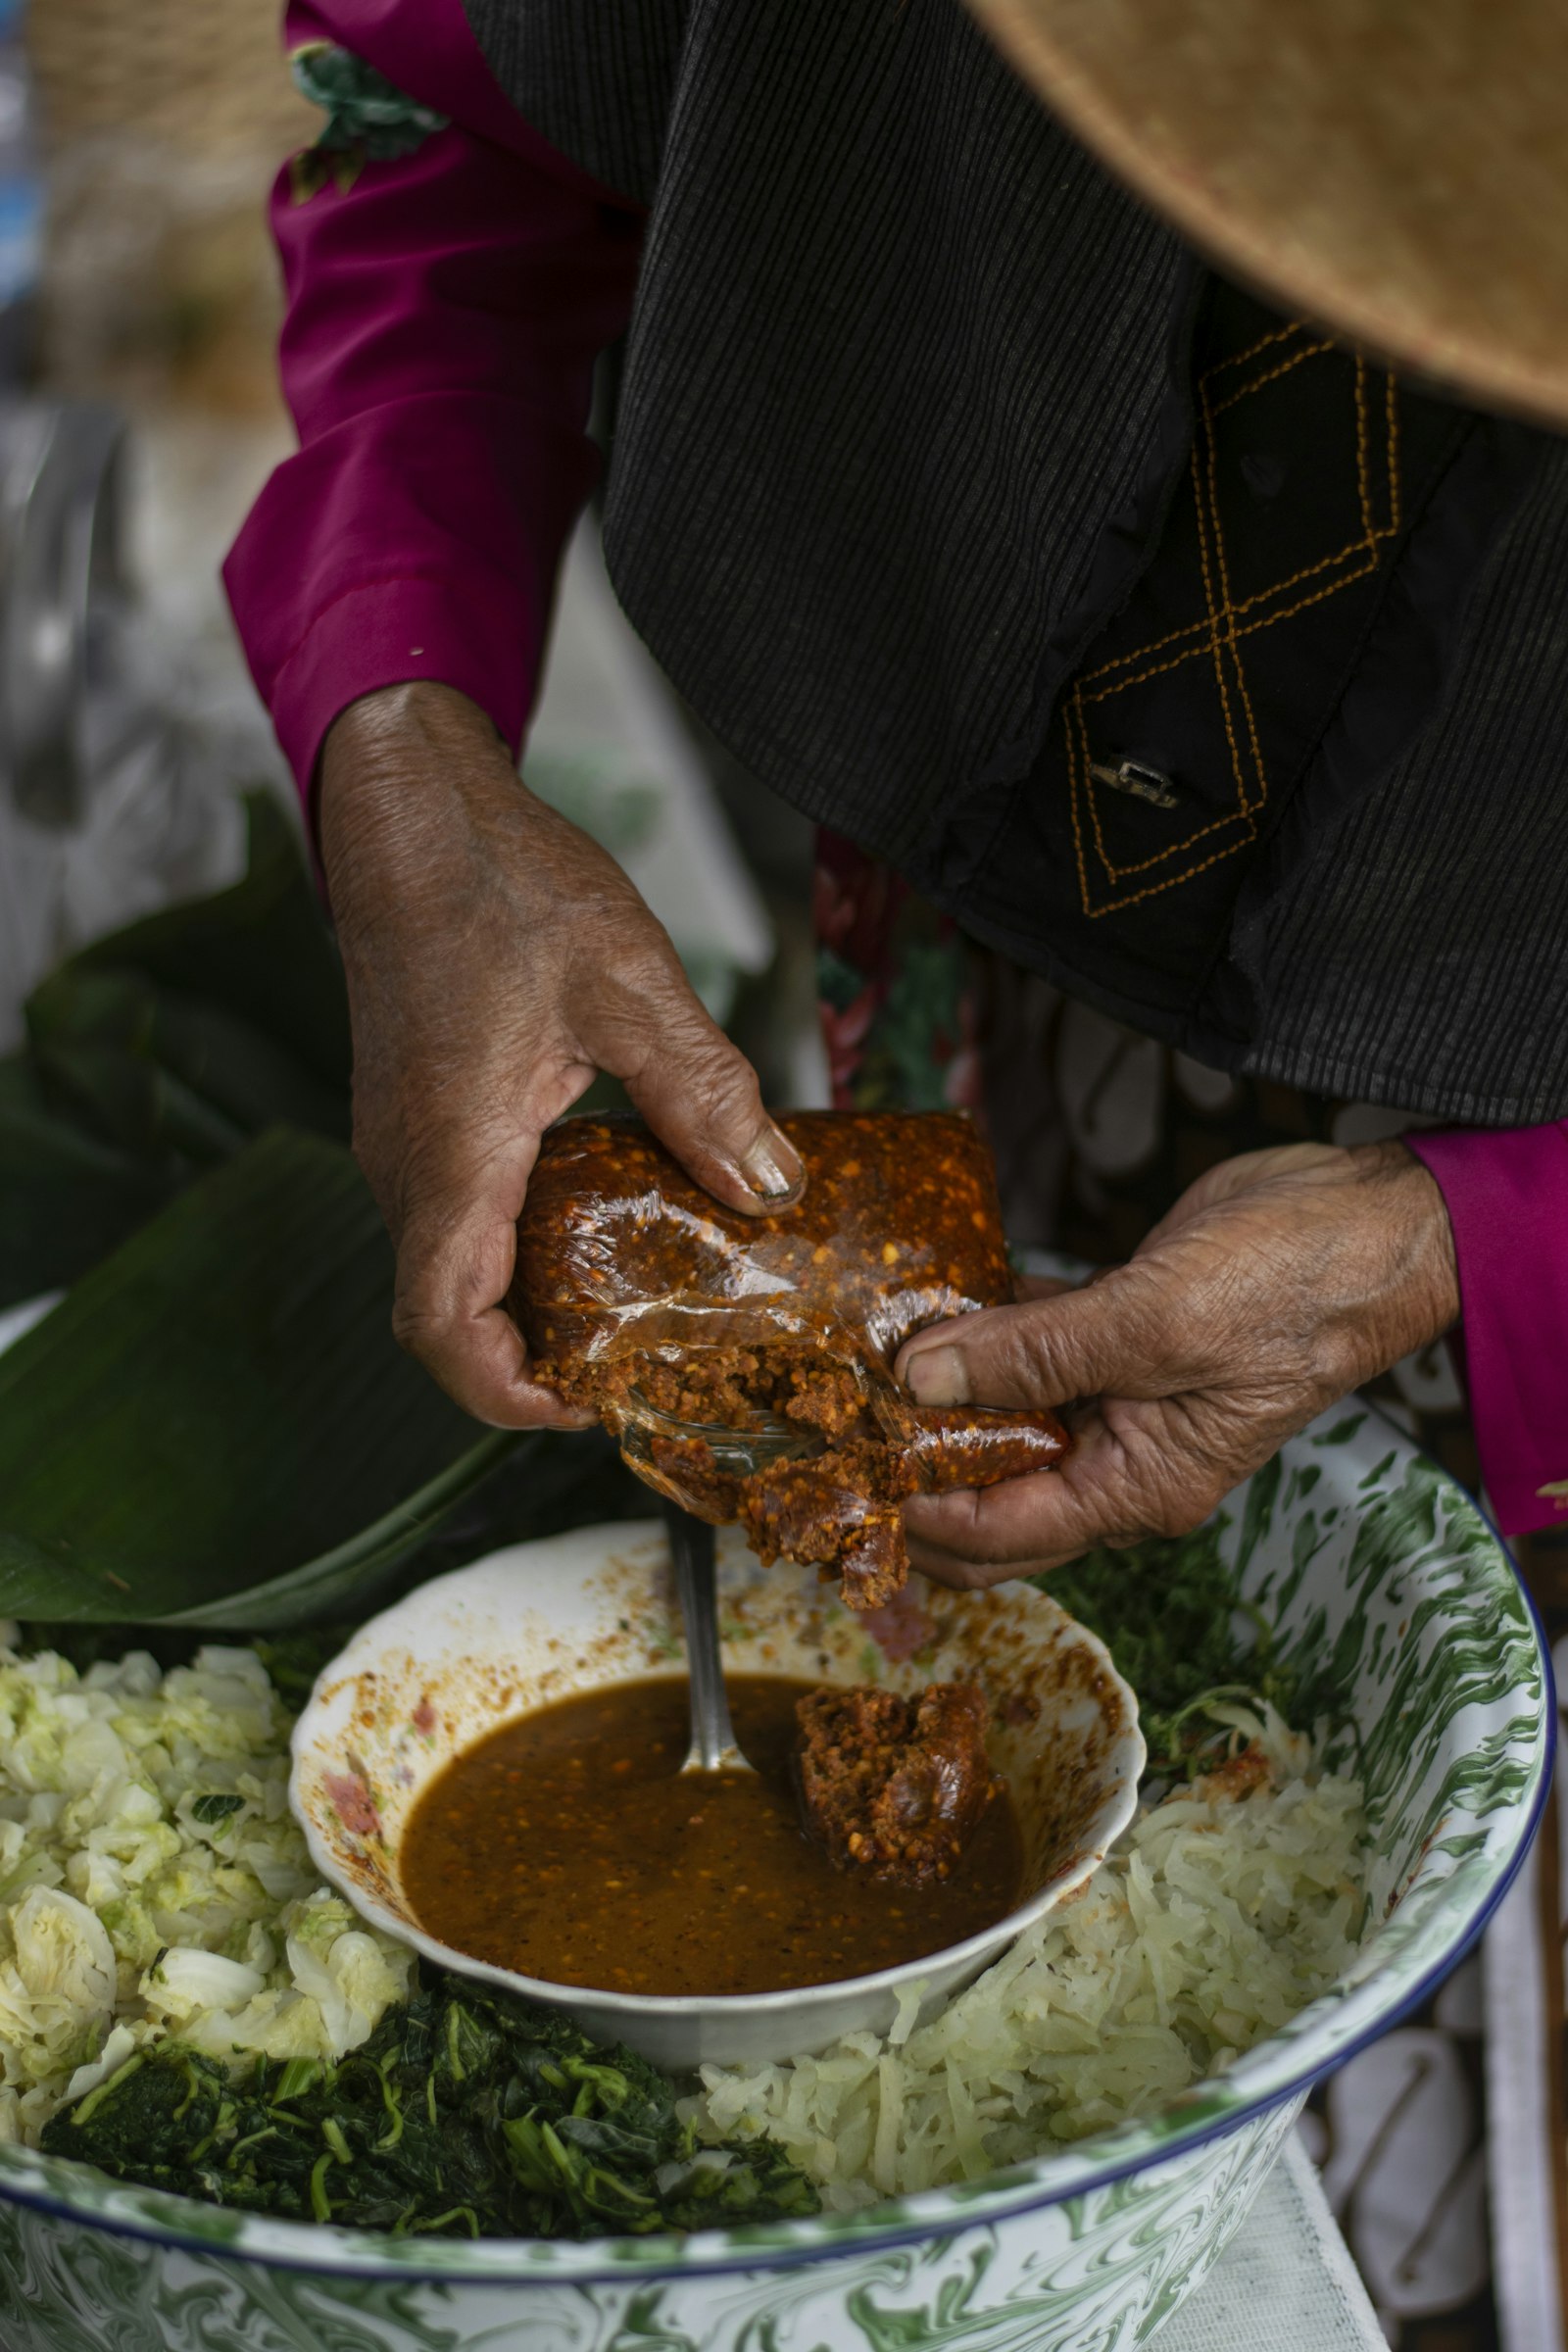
575, 1612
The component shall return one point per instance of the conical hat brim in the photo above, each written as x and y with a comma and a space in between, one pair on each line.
1397, 170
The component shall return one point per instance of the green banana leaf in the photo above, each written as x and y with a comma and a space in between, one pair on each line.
67, 1197
160, 1052
215, 1428
260, 952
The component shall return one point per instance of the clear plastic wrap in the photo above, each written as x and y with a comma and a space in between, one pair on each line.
744, 1363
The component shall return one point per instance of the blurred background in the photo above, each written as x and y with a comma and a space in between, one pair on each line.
139, 413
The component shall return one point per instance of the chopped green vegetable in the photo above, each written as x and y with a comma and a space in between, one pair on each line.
1171, 1613
467, 2113
209, 1809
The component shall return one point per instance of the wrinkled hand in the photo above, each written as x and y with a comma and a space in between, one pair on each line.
1279, 1282
495, 960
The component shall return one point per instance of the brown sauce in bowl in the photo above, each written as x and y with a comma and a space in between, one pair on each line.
570, 1846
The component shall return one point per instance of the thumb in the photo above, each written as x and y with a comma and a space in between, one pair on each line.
700, 1096
1111, 1338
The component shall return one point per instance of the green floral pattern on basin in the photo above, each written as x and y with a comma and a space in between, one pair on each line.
1359, 1543
1102, 2270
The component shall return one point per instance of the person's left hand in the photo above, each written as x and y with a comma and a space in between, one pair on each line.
1279, 1282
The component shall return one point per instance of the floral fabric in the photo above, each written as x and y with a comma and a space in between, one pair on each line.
895, 990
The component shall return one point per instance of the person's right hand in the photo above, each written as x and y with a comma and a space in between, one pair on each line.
495, 960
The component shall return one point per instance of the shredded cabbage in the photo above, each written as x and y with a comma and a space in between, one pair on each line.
153, 1880
1224, 1910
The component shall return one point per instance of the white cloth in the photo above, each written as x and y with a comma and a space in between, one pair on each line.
1524, 1964
1286, 2280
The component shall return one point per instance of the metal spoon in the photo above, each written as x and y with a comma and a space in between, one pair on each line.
691, 1545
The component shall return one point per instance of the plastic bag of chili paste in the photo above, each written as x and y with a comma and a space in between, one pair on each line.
744, 1363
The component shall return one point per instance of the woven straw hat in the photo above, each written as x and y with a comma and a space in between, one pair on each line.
1398, 169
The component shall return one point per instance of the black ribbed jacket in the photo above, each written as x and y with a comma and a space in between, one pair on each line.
919, 436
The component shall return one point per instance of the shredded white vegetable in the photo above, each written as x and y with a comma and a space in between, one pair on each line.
130, 1908
1225, 1910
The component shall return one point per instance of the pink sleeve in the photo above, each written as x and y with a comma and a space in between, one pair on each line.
1507, 1194
444, 316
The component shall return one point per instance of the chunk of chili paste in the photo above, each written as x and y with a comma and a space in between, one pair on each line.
676, 1319
894, 1787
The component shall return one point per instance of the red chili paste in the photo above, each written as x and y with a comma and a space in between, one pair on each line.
635, 1289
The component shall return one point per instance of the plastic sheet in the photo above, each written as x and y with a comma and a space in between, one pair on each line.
744, 1363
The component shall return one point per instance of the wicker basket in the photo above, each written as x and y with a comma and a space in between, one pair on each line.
207, 75
164, 122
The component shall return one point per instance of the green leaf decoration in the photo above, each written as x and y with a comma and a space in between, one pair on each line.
363, 109
163, 1050
217, 1428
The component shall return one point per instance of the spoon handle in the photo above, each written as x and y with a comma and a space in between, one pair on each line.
691, 1544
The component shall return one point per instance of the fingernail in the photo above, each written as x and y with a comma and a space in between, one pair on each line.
938, 1376
771, 1167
